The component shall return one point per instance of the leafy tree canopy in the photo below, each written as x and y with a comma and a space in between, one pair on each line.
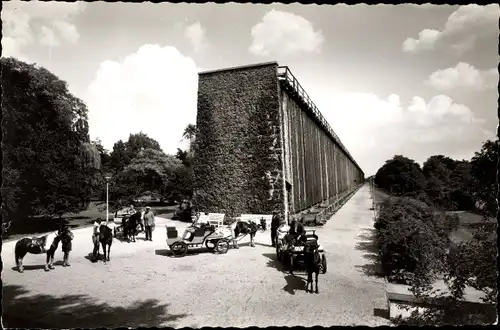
484, 167
49, 162
151, 171
400, 175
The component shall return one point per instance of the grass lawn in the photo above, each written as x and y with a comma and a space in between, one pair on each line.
33, 226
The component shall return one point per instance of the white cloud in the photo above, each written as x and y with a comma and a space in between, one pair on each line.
284, 33
48, 37
426, 40
375, 129
67, 30
465, 20
18, 16
463, 75
196, 35
153, 90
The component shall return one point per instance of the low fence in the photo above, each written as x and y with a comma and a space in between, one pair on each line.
329, 206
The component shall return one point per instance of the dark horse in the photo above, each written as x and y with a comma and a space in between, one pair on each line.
245, 228
46, 244
131, 226
106, 239
312, 263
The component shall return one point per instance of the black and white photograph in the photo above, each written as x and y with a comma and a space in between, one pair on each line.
190, 165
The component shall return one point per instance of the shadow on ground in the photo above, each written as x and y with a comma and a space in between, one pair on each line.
368, 244
190, 252
383, 313
294, 282
78, 311
36, 267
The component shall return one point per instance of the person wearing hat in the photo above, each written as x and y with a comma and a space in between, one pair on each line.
66, 238
275, 223
149, 223
95, 235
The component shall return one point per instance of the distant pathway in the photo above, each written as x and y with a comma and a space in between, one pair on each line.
143, 286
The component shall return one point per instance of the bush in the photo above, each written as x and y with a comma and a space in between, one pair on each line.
400, 176
409, 243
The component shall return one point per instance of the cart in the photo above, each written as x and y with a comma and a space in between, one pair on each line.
284, 253
119, 226
214, 239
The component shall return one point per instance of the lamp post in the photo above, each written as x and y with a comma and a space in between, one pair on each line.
107, 199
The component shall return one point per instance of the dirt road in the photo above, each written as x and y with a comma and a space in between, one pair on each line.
144, 286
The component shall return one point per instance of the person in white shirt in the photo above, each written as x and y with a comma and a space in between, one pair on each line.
95, 236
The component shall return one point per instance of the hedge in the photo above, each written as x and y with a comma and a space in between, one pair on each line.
412, 240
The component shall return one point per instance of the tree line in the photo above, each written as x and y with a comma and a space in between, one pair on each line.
139, 167
50, 165
445, 183
414, 235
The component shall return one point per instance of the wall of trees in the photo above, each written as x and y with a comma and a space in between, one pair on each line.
237, 159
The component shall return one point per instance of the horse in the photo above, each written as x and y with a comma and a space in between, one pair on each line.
312, 261
106, 239
131, 225
37, 245
244, 228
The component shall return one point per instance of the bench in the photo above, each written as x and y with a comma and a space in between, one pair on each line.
256, 218
216, 219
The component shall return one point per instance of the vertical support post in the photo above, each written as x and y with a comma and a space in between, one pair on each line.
107, 201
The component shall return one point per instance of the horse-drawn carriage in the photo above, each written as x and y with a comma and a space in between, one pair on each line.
198, 236
122, 223
294, 252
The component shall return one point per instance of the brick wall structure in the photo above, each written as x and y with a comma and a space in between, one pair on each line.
260, 149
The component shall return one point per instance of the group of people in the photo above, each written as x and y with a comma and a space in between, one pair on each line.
146, 221
295, 234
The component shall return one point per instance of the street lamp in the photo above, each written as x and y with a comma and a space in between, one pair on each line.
107, 199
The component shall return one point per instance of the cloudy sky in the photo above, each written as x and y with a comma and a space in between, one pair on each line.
406, 79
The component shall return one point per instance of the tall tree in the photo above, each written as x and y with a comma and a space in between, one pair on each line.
104, 155
437, 170
138, 142
48, 161
119, 157
190, 135
151, 171
484, 167
400, 175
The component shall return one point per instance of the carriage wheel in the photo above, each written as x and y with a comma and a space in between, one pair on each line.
323, 261
210, 245
222, 246
179, 249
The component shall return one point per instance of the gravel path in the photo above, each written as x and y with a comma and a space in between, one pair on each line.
144, 286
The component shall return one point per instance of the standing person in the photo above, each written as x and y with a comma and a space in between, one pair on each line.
66, 238
95, 237
141, 220
149, 223
275, 223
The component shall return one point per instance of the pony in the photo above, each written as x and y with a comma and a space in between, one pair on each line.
313, 264
131, 225
244, 228
106, 239
46, 244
